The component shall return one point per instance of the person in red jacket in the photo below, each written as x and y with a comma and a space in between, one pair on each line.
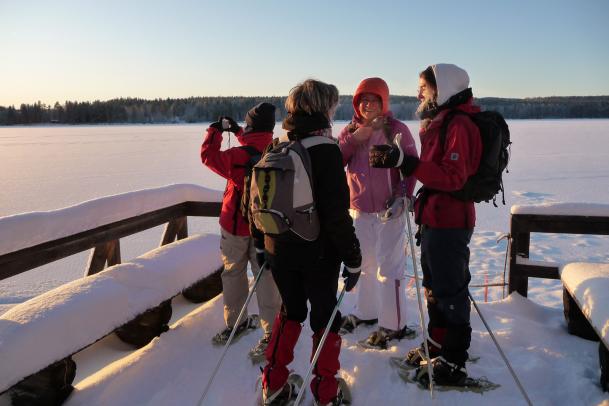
446, 223
236, 245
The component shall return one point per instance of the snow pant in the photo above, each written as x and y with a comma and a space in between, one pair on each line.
299, 281
236, 252
381, 290
445, 264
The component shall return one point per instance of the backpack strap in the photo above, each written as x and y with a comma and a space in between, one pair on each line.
316, 140
447, 119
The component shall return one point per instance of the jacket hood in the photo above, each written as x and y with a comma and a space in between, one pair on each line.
375, 86
450, 80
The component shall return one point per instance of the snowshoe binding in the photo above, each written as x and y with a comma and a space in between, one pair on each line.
286, 396
350, 322
447, 376
257, 353
379, 339
249, 324
416, 355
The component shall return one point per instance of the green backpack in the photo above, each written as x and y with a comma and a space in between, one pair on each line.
282, 198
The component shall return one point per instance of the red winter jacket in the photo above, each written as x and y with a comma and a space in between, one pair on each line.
446, 168
230, 165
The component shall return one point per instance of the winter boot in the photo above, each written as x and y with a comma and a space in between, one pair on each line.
279, 353
350, 322
324, 384
282, 396
288, 392
445, 373
257, 352
378, 340
249, 324
343, 396
434, 344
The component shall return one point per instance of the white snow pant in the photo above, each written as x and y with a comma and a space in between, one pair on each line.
381, 289
236, 252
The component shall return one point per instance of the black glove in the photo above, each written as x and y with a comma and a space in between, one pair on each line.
260, 258
233, 126
384, 156
351, 276
217, 125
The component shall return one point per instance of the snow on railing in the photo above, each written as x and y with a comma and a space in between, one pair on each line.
563, 209
29, 229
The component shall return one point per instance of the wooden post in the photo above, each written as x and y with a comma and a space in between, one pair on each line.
109, 253
519, 247
176, 228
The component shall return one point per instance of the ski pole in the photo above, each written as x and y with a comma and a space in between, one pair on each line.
520, 387
421, 313
319, 347
232, 334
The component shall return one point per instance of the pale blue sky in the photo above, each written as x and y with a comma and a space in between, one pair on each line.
86, 50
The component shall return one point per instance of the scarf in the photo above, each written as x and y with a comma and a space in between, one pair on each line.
300, 125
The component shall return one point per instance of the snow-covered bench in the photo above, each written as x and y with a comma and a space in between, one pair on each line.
59, 323
587, 306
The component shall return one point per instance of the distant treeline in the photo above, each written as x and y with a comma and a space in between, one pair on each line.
202, 109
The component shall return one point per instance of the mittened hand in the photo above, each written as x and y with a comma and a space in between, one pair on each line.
351, 276
362, 134
217, 125
384, 156
395, 208
232, 124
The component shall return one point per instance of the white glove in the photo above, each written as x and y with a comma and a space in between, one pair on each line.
395, 208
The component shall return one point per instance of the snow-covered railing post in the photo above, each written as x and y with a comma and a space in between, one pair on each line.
106, 254
176, 229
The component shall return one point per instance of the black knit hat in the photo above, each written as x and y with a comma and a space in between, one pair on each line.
260, 118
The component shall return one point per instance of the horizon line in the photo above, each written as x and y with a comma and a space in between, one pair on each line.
271, 96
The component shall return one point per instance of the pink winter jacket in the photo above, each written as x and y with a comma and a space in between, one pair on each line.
371, 188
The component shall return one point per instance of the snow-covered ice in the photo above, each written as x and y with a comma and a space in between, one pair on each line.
553, 162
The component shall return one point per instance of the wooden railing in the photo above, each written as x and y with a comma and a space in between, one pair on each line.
521, 227
105, 240
105, 243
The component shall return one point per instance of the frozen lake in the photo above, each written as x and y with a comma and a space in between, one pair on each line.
45, 168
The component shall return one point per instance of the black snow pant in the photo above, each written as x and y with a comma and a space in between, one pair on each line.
314, 279
445, 264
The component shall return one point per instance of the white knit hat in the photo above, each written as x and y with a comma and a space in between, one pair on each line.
450, 80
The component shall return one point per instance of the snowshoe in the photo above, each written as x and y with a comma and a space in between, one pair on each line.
286, 396
350, 322
257, 353
248, 325
378, 340
416, 355
343, 396
447, 376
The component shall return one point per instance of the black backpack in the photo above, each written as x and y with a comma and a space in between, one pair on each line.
495, 135
255, 156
